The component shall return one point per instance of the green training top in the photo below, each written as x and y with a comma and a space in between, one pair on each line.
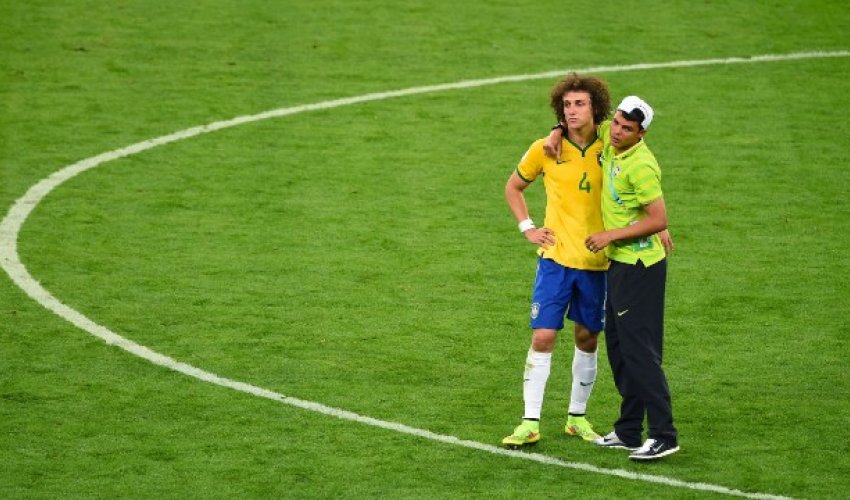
630, 180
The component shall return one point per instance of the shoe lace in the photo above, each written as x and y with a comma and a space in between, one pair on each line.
647, 445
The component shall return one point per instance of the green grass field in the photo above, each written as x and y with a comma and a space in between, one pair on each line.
363, 257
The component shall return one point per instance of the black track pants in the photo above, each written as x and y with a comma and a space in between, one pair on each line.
634, 335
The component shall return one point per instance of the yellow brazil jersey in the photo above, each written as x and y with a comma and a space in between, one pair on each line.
573, 187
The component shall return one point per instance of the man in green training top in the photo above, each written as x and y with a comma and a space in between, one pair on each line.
633, 212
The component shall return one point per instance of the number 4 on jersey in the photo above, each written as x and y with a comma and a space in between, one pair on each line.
583, 184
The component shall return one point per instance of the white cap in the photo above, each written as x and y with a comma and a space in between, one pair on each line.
634, 102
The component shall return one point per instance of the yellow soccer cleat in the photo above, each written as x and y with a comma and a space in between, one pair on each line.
579, 426
526, 433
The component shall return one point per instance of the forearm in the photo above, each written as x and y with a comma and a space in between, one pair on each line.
655, 221
516, 202
645, 227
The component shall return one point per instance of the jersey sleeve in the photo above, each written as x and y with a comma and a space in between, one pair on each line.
646, 182
531, 164
603, 131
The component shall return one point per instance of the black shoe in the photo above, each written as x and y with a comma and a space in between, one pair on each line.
654, 449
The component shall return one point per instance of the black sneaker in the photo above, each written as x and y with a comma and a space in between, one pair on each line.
654, 449
612, 441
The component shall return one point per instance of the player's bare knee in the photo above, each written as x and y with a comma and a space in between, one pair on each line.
543, 340
585, 339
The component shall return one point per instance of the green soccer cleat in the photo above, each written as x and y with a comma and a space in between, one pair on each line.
526, 433
579, 426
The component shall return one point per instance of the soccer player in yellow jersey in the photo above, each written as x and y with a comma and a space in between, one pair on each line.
570, 278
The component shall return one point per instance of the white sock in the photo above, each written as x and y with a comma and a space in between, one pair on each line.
537, 366
584, 375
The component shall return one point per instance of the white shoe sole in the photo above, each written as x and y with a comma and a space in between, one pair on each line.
615, 446
656, 456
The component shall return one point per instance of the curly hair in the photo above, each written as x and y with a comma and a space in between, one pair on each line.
600, 98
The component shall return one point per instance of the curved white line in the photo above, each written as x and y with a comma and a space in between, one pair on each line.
23, 207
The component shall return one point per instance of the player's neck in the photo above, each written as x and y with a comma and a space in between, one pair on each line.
583, 136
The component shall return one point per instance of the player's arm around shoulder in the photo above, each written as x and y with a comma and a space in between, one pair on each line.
552, 142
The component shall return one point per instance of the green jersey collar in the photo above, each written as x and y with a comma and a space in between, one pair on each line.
584, 149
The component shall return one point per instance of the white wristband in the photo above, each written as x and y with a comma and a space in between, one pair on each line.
526, 225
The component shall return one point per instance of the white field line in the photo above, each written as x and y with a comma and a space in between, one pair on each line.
23, 207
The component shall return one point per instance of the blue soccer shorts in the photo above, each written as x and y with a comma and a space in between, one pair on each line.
559, 291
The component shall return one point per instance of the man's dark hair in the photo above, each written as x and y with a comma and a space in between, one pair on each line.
600, 99
635, 115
